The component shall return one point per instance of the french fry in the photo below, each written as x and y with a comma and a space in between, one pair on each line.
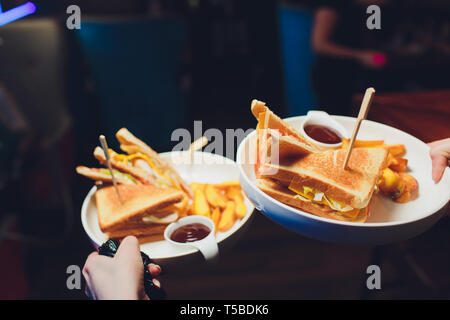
398, 164
368, 143
228, 217
236, 195
215, 197
200, 206
396, 150
394, 182
362, 143
197, 186
233, 192
345, 143
241, 209
222, 202
215, 217
228, 184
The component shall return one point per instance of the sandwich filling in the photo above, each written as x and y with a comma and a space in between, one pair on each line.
309, 194
143, 161
117, 174
163, 179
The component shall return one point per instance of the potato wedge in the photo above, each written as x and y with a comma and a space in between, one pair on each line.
215, 217
215, 197
389, 181
410, 182
404, 197
396, 150
197, 186
235, 194
228, 184
398, 164
200, 206
228, 217
390, 160
241, 209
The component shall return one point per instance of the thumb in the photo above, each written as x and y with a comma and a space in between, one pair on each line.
128, 250
439, 163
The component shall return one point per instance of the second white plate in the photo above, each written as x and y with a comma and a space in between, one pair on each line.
206, 168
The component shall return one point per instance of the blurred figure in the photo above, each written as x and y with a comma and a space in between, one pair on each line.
337, 40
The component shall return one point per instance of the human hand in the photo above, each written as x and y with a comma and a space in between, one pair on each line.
118, 278
440, 155
372, 59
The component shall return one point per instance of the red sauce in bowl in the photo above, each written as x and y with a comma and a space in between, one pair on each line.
322, 134
190, 232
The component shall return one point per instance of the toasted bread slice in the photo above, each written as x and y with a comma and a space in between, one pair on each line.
141, 230
102, 174
323, 171
286, 196
140, 174
130, 144
297, 141
138, 201
287, 146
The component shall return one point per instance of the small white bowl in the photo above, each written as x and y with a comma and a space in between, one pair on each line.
207, 246
324, 119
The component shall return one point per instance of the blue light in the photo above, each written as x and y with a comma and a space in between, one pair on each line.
17, 13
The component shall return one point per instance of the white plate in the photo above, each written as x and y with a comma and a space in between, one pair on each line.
207, 168
388, 221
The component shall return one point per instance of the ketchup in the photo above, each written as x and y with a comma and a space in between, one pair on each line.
322, 134
190, 232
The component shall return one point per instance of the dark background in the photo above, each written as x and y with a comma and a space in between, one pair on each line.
154, 66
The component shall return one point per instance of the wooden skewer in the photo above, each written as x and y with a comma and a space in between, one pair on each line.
365, 105
196, 145
104, 145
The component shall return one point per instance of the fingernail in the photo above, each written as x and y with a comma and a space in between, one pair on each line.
157, 283
156, 266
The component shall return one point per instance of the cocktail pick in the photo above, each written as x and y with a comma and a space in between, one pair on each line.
365, 105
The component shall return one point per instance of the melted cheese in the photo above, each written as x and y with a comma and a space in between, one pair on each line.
166, 181
313, 195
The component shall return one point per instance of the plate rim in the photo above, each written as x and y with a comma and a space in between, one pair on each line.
189, 250
435, 210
